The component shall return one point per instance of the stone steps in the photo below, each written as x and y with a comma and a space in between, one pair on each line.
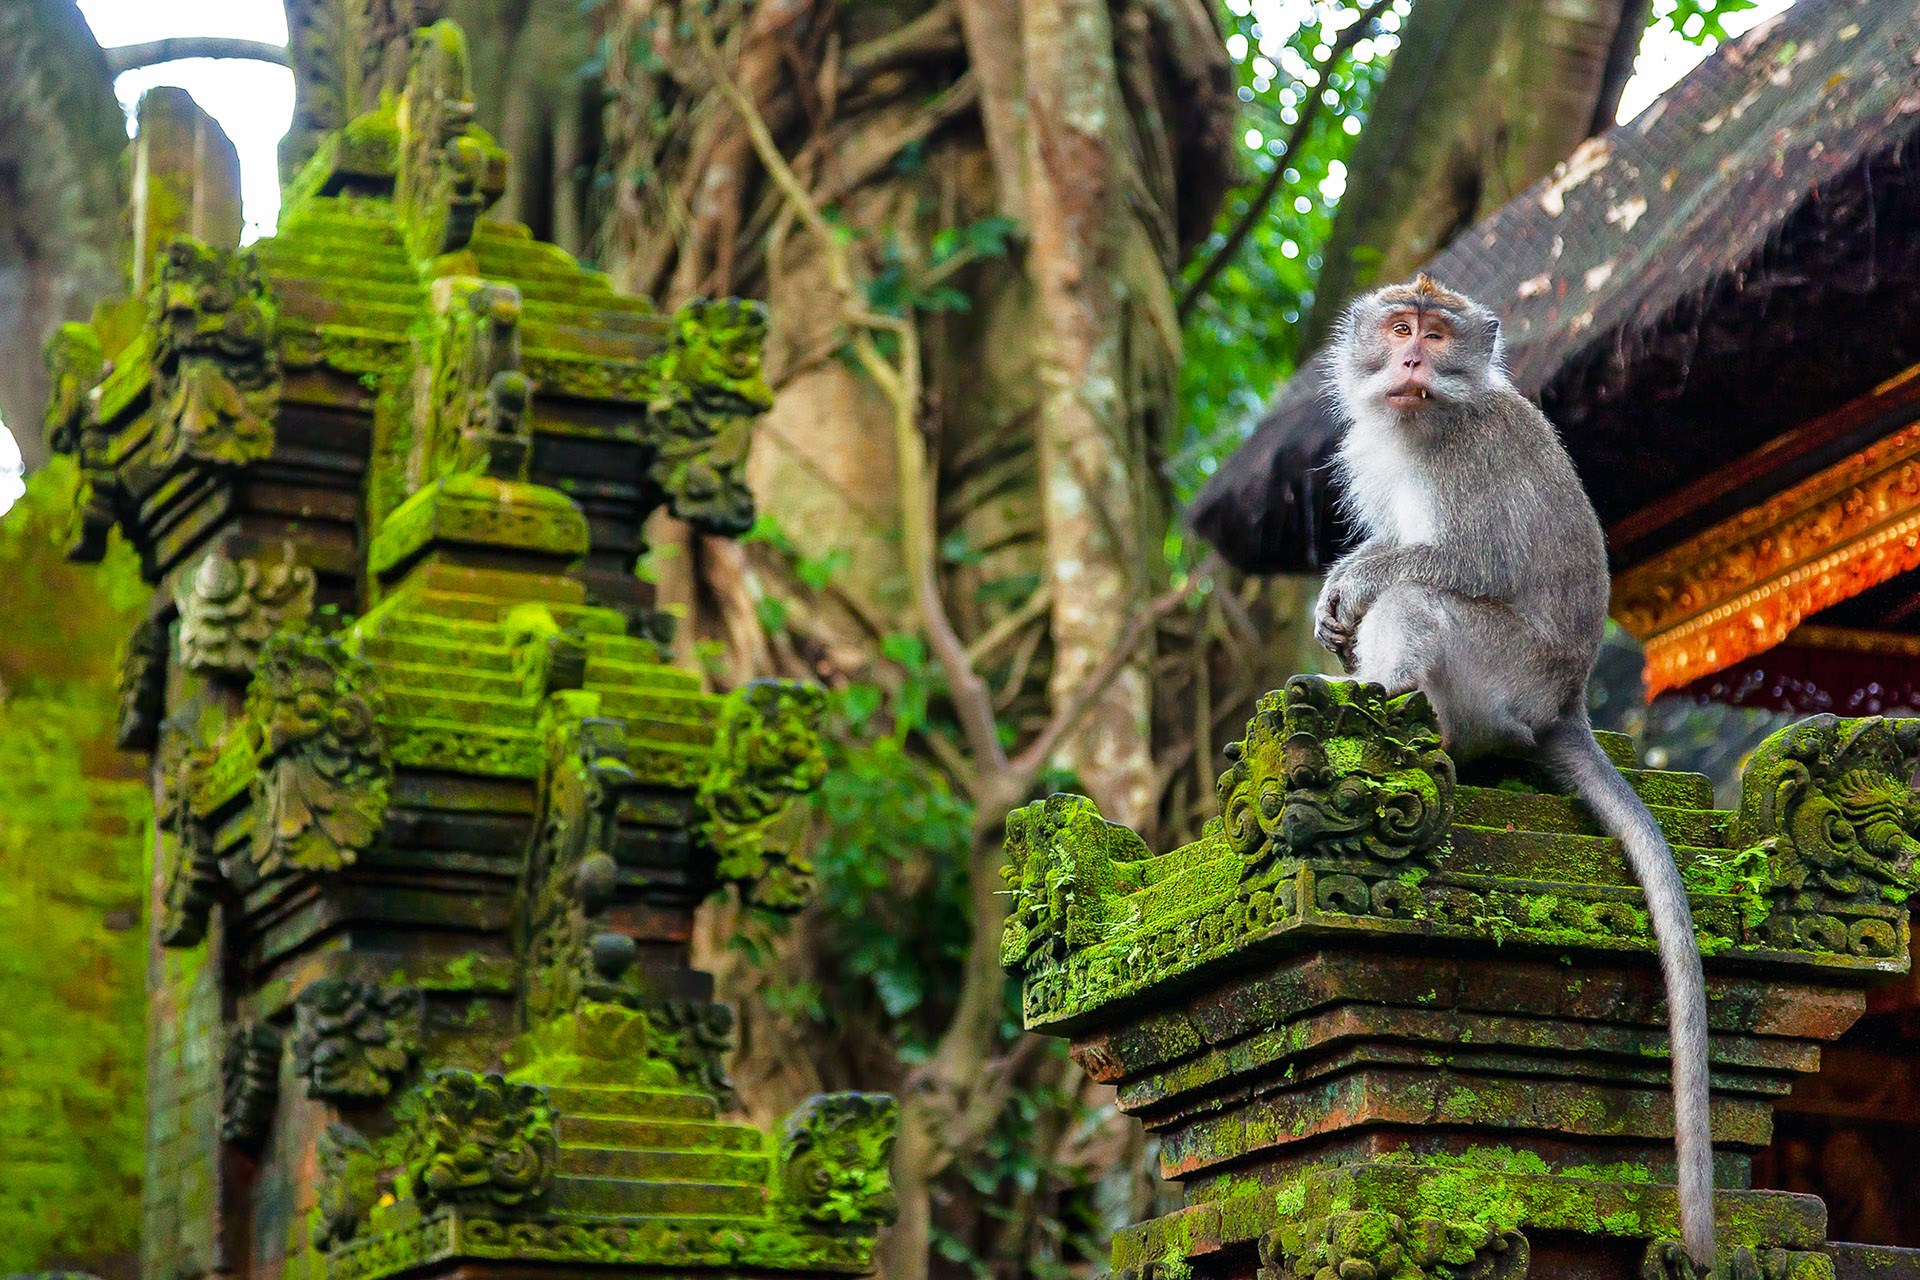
659, 1135
1498, 809
1551, 856
631, 1198
586, 1101
726, 1168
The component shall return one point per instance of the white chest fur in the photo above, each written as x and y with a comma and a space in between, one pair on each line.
1387, 486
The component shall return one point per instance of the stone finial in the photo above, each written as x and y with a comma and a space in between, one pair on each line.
230, 608
450, 170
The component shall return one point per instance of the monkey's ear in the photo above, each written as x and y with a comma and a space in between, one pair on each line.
1493, 328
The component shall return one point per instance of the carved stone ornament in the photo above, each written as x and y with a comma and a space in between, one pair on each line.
143, 686
216, 378
769, 754
1830, 803
320, 792
482, 1141
1063, 863
836, 1153
571, 876
697, 1036
75, 365
701, 421
1371, 1245
228, 609
1668, 1260
449, 170
476, 418
249, 1082
1333, 768
190, 878
349, 1184
354, 1039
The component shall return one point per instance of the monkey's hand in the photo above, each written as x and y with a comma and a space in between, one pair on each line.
1336, 617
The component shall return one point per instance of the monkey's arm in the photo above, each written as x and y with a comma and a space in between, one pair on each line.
1357, 581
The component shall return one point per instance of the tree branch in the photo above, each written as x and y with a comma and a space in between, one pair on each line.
1257, 209
1028, 764
126, 57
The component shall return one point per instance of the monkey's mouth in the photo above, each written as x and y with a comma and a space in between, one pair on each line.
1409, 396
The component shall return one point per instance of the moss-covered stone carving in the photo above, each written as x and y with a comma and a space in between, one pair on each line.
143, 686
836, 1153
216, 376
229, 608
571, 876
450, 168
481, 1140
1064, 865
190, 876
323, 771
1830, 804
349, 1183
471, 823
1334, 767
767, 755
698, 1037
249, 1081
1371, 1245
354, 1039
700, 421
478, 407
75, 363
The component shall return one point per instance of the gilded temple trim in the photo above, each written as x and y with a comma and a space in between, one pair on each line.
1742, 586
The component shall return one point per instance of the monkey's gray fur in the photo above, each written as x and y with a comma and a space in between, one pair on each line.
1483, 581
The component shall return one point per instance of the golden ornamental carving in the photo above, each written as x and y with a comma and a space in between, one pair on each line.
1740, 587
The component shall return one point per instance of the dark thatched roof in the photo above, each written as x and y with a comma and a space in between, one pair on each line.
1740, 258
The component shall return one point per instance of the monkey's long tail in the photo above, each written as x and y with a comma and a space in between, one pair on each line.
1570, 749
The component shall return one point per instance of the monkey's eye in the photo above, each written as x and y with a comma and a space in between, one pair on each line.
1403, 329
1436, 336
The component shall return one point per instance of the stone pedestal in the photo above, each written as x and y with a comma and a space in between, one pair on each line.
1390, 1019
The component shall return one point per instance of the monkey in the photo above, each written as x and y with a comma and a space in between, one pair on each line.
1482, 581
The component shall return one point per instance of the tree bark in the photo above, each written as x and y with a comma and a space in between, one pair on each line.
1483, 97
61, 199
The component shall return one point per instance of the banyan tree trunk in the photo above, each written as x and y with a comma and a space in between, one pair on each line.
1018, 182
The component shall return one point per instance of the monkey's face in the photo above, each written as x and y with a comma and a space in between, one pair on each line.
1415, 349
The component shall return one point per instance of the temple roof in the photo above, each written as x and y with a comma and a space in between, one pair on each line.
1662, 289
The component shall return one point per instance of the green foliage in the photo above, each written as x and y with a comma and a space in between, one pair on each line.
1239, 338
890, 866
71, 953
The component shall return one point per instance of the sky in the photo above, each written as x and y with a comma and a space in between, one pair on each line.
253, 101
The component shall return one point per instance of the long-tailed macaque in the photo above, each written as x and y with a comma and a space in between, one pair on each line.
1483, 582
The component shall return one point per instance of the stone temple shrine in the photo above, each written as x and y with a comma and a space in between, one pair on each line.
434, 807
